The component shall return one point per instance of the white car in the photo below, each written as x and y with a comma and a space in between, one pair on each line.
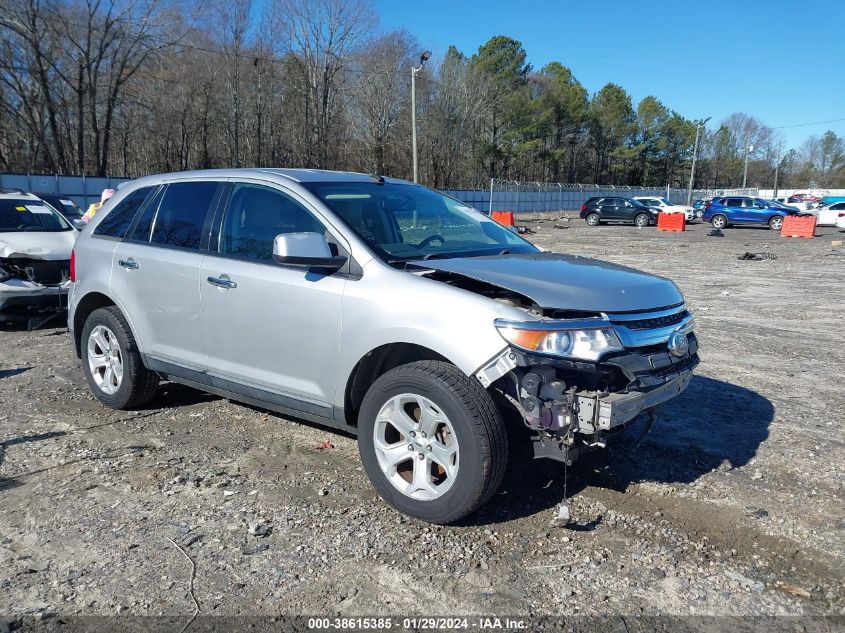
666, 206
840, 220
35, 257
828, 215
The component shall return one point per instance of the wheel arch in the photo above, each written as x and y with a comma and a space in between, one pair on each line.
374, 364
92, 301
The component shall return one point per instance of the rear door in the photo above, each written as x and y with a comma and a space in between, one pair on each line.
155, 274
829, 214
274, 328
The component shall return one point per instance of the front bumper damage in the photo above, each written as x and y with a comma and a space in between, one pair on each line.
24, 300
574, 406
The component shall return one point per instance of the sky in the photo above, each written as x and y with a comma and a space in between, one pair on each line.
781, 61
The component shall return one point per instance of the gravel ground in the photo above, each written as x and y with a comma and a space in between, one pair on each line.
732, 505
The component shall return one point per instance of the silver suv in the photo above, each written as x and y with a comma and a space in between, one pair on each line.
375, 306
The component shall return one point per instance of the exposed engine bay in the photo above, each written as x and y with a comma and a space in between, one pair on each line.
573, 405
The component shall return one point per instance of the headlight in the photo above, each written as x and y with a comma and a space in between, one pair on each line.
582, 341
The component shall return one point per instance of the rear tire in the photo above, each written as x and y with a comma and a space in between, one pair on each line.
776, 223
112, 363
421, 415
719, 221
593, 219
641, 220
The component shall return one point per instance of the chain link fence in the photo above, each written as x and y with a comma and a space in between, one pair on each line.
537, 197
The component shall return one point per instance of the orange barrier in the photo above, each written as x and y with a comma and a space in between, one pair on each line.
503, 217
671, 222
799, 226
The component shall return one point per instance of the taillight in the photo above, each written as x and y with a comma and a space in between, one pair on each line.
708, 204
583, 207
842, 215
73, 265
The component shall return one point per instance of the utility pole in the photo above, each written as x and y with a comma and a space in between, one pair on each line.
423, 58
748, 150
699, 126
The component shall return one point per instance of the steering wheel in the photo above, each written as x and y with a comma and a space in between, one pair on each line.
430, 239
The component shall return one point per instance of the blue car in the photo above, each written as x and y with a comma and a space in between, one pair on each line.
727, 210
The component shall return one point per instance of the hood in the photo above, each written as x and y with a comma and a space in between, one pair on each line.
51, 246
567, 282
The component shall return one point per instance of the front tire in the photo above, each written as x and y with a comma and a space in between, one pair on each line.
112, 363
641, 220
719, 221
776, 223
432, 442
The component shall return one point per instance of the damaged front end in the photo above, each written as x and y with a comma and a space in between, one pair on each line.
576, 382
33, 290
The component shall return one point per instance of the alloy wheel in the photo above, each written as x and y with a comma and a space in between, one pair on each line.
416, 447
105, 359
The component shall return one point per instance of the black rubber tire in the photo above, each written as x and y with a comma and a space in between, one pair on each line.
640, 223
714, 222
776, 220
595, 222
139, 383
480, 431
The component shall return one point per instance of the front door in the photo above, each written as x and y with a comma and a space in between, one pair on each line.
611, 209
270, 327
155, 274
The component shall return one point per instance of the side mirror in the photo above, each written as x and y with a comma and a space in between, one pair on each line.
309, 250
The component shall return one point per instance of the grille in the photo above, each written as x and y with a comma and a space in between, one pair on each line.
654, 323
683, 364
38, 270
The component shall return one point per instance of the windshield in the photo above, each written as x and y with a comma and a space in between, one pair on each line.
403, 222
69, 208
30, 215
665, 201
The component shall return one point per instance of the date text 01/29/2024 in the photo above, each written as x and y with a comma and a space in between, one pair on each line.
416, 623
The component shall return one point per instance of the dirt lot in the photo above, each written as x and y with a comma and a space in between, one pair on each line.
733, 505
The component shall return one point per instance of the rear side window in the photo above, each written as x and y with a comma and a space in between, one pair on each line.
732, 202
181, 214
177, 215
118, 220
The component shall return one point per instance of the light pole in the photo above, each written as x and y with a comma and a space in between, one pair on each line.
698, 129
423, 58
748, 150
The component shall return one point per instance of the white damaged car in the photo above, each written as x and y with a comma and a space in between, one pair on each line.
35, 257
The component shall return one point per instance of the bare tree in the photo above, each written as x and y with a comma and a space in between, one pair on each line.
320, 36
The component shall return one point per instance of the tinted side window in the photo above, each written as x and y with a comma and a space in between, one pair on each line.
254, 217
117, 221
732, 202
181, 214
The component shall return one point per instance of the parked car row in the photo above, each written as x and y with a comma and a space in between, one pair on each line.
721, 211
640, 210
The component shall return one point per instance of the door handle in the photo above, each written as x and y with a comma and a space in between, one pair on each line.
221, 283
128, 264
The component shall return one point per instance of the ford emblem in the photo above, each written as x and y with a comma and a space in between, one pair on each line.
678, 344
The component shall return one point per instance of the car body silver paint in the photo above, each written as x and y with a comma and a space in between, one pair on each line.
569, 282
350, 317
